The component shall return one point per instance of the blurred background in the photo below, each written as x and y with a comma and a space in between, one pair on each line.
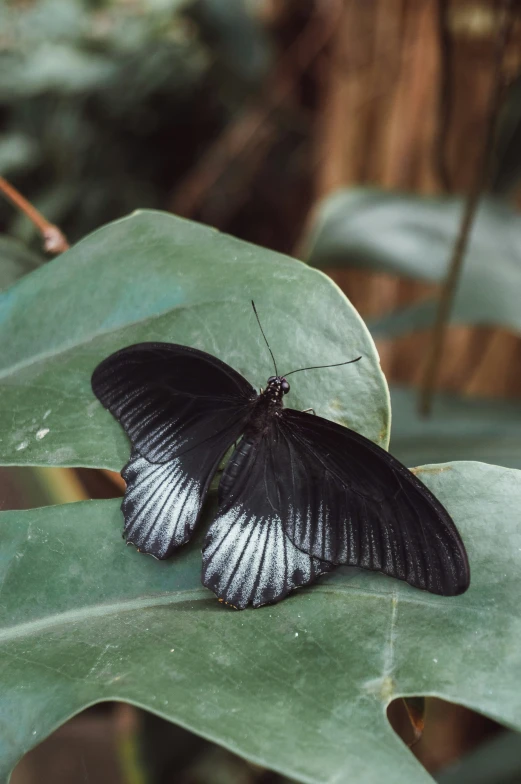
353, 134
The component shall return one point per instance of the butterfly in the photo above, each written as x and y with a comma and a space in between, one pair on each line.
299, 495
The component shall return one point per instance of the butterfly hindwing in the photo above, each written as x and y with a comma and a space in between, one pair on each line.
162, 501
182, 409
247, 556
347, 501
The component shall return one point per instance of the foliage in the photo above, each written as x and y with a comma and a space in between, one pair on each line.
92, 96
300, 687
459, 428
413, 236
169, 279
105, 105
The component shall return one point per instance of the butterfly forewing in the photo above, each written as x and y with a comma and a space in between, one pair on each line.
345, 500
182, 410
171, 398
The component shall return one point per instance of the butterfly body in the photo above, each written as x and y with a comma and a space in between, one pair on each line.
299, 495
266, 405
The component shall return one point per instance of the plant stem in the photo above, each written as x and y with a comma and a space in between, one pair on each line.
450, 285
54, 240
415, 707
445, 94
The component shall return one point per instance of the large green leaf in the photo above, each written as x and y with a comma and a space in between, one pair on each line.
460, 428
413, 236
300, 687
155, 277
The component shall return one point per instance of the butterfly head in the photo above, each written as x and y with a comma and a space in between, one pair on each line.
277, 386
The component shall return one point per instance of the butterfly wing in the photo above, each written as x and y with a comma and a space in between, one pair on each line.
247, 556
162, 501
170, 398
347, 501
182, 409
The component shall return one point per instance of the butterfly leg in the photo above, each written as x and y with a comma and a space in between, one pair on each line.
308, 410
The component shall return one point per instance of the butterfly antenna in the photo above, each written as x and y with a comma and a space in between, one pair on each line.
318, 367
264, 336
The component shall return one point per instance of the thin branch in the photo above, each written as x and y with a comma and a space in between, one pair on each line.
54, 240
444, 95
460, 246
415, 707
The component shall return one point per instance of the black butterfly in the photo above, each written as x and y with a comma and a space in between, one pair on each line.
299, 496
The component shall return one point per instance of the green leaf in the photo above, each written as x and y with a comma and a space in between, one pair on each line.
18, 153
155, 277
413, 237
16, 260
497, 761
411, 318
459, 428
300, 687
238, 38
56, 67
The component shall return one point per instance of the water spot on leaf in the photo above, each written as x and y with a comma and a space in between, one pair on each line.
91, 408
63, 454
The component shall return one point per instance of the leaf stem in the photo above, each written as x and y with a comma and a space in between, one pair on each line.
450, 285
54, 240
